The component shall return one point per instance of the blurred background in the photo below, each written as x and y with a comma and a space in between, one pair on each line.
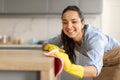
31, 21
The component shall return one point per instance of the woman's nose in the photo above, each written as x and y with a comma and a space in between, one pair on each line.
69, 25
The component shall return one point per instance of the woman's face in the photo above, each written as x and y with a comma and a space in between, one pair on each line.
72, 25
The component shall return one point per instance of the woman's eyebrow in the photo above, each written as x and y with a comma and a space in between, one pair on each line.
71, 19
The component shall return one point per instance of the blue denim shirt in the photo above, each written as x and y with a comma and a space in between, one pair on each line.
94, 45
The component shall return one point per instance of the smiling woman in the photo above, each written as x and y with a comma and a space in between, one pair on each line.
87, 40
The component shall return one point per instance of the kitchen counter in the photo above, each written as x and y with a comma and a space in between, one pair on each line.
27, 60
22, 46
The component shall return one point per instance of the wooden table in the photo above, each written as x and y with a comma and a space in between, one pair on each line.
28, 60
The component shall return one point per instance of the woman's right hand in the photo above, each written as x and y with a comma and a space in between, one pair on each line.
50, 47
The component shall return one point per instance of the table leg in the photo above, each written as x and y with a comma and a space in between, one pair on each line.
47, 75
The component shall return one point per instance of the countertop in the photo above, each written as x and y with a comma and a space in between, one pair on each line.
27, 60
22, 46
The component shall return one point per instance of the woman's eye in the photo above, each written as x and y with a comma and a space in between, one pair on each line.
74, 22
64, 22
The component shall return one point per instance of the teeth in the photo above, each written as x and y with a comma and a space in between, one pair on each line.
70, 31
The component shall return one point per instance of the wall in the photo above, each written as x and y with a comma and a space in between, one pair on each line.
27, 27
111, 18
38, 27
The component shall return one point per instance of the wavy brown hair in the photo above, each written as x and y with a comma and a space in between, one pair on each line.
68, 43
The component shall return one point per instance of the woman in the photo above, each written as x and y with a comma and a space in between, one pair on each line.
89, 41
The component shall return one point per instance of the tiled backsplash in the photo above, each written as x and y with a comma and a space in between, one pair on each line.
37, 27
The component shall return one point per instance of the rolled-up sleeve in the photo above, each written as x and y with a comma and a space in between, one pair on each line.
96, 51
96, 57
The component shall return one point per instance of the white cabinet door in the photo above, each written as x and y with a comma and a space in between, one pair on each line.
25, 6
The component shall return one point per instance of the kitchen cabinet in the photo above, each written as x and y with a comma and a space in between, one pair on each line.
87, 6
19, 75
25, 6
91, 6
57, 6
48, 6
1, 6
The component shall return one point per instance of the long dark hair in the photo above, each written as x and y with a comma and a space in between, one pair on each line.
68, 43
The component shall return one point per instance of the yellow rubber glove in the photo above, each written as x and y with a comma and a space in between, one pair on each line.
75, 70
50, 47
